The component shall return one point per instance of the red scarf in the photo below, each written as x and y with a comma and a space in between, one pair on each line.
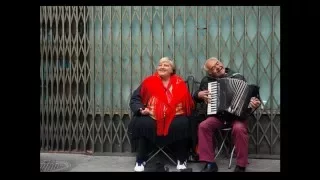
152, 86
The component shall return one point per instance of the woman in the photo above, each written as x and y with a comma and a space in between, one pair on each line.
161, 105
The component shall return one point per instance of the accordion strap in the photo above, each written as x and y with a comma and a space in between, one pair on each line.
234, 74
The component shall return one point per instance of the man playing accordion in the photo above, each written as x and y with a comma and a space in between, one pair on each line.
206, 128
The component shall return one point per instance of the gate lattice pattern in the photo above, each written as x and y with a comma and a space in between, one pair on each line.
92, 58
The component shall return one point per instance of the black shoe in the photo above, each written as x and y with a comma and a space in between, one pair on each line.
239, 169
210, 167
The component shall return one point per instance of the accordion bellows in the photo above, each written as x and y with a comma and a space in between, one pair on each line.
230, 95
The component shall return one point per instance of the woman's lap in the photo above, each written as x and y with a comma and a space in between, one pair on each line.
146, 126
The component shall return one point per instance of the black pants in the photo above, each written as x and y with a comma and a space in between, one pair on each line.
180, 149
143, 135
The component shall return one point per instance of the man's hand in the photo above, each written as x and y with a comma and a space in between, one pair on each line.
144, 111
255, 102
204, 95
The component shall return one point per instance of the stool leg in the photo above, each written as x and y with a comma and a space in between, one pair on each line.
154, 154
169, 157
151, 153
224, 139
231, 157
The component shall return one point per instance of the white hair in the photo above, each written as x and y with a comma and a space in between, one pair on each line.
210, 59
168, 60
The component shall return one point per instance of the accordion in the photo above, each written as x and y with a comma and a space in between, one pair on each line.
230, 95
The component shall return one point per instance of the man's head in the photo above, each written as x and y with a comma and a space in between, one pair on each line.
166, 67
214, 67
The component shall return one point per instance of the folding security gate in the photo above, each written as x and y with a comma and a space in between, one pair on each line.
92, 58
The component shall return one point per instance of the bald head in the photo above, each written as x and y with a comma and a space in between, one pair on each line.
214, 67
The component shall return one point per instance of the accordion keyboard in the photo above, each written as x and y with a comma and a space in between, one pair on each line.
213, 98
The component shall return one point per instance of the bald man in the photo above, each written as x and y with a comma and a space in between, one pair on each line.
206, 145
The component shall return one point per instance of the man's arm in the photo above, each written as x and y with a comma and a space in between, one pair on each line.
136, 102
203, 86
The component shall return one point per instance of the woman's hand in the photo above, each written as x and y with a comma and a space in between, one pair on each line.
144, 111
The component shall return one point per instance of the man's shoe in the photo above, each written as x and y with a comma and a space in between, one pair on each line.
239, 169
210, 167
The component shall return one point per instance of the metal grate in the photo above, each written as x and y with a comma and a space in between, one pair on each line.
54, 166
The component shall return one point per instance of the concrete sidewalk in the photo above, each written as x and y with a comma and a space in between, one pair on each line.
79, 162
